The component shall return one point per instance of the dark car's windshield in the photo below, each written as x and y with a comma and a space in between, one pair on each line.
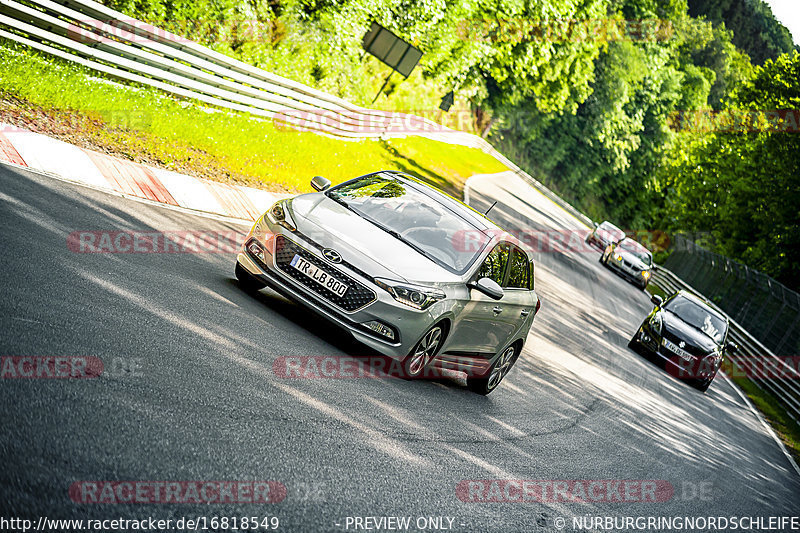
698, 316
405, 211
633, 247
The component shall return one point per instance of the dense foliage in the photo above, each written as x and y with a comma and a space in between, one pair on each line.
582, 93
746, 185
754, 27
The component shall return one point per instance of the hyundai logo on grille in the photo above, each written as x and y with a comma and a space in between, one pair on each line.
682, 344
331, 255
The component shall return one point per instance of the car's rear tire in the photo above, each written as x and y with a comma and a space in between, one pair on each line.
420, 358
499, 370
246, 280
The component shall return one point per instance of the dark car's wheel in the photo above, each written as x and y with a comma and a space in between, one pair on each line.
703, 385
246, 280
633, 344
417, 361
486, 384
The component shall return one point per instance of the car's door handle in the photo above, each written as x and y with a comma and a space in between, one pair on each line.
524, 312
497, 309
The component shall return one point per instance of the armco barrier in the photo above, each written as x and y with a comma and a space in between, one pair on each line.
784, 385
97, 37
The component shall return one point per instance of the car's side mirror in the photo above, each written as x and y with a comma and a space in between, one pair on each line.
489, 287
320, 184
657, 300
595, 225
732, 347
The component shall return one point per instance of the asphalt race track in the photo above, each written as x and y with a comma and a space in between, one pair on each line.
189, 392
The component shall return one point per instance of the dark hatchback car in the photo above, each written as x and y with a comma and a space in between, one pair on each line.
688, 334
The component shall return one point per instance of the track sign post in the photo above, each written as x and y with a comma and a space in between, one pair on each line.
391, 50
447, 102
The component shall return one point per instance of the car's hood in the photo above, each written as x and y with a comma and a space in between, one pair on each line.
361, 243
632, 259
676, 329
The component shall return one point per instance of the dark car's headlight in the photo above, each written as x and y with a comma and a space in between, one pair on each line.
655, 322
646, 274
278, 214
411, 295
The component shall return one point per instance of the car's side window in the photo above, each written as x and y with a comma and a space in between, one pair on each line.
519, 275
494, 266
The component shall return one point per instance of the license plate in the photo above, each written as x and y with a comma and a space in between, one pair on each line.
683, 354
320, 276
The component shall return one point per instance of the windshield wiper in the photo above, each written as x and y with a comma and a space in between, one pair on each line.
396, 235
400, 238
340, 202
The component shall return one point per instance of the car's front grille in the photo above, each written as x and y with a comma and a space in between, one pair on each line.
357, 295
676, 340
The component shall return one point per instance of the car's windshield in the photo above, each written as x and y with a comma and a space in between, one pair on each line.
410, 214
612, 232
632, 247
698, 316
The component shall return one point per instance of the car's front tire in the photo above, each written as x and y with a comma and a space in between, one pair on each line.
499, 370
420, 358
703, 385
633, 344
247, 281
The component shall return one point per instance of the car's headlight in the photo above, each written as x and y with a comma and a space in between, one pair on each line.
655, 322
411, 295
646, 274
278, 214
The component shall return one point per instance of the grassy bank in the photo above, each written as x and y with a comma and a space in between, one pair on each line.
51, 96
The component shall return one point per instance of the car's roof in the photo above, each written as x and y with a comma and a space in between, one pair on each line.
607, 224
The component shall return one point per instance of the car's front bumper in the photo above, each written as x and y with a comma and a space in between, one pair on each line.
696, 369
634, 277
409, 324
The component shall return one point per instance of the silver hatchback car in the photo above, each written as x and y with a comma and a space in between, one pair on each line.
407, 270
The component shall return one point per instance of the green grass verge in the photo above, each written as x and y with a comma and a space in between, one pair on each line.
144, 124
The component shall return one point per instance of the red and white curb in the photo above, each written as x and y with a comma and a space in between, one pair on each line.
40, 152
